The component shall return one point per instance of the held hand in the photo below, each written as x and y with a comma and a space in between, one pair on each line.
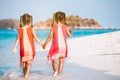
44, 46
70, 31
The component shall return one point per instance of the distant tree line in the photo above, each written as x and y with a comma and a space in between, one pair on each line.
9, 24
72, 21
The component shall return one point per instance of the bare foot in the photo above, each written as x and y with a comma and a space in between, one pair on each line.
55, 74
26, 76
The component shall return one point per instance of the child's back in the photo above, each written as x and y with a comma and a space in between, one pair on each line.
27, 49
58, 48
26, 36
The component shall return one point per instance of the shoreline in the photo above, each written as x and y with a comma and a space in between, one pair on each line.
75, 29
98, 56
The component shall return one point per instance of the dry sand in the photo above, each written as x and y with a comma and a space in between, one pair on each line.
100, 52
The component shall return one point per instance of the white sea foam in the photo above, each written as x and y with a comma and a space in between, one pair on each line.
15, 75
12, 75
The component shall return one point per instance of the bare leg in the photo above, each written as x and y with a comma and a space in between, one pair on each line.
24, 68
28, 67
54, 65
61, 63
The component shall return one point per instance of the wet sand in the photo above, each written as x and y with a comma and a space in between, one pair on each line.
94, 57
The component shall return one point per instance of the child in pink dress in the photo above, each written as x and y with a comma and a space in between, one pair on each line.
26, 36
59, 49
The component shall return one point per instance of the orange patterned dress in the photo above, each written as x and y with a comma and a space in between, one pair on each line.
27, 49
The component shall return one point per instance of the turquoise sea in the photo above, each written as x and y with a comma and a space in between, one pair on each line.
9, 63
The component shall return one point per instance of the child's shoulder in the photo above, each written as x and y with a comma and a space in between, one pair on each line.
54, 25
64, 25
19, 28
61, 25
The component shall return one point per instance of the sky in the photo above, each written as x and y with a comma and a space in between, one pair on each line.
106, 12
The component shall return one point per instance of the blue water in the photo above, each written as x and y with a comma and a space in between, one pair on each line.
11, 34
8, 61
7, 37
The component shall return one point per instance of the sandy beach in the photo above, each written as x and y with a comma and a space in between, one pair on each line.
100, 52
95, 57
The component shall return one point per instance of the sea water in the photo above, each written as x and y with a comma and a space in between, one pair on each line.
41, 70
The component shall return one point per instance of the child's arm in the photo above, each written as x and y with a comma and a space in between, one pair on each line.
48, 39
69, 32
15, 46
36, 38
